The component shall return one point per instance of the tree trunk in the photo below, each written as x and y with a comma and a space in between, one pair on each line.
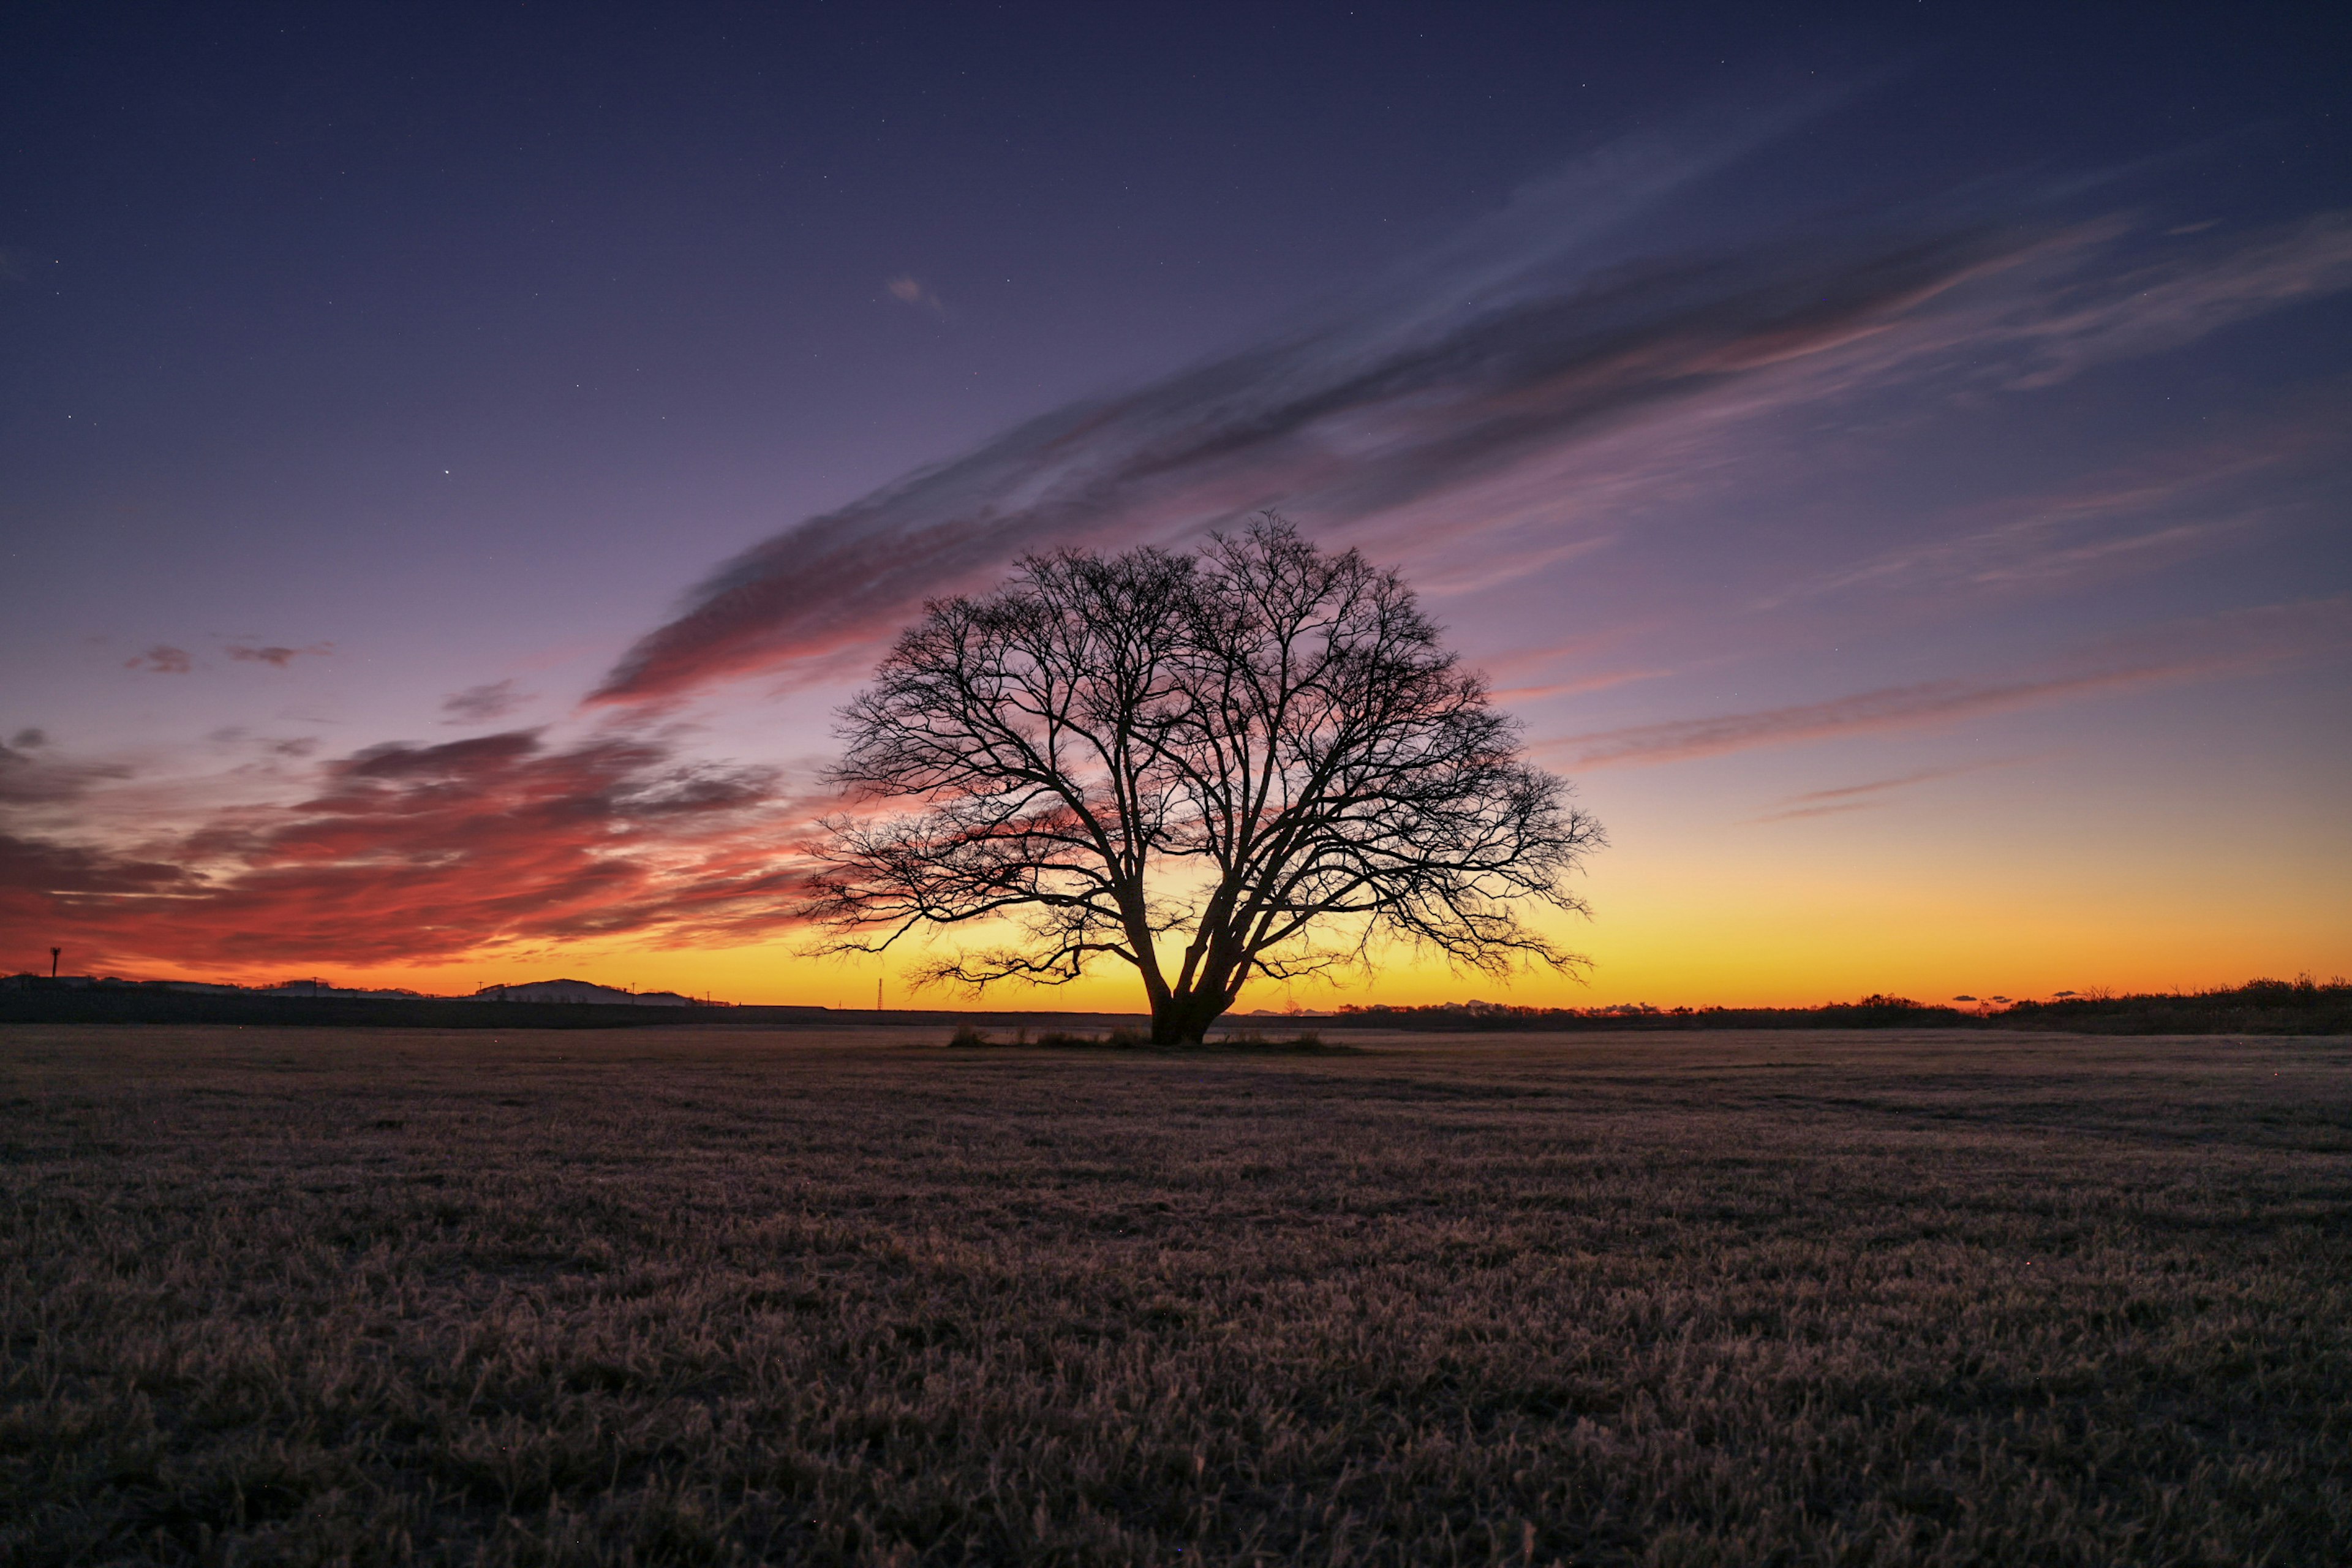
1182, 1020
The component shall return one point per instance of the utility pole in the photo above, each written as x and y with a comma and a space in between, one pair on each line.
877, 993
55, 951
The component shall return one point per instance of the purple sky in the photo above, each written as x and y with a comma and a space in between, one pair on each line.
1894, 459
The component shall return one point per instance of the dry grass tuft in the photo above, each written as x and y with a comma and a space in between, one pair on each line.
276, 1296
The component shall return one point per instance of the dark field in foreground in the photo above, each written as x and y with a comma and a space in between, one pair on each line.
278, 1295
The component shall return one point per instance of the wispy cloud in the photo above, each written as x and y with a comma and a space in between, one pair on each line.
1880, 786
1497, 566
1487, 361
1576, 685
908, 290
30, 777
278, 658
1449, 373
2167, 506
2174, 300
1325, 422
483, 704
162, 660
30, 866
2260, 638
1864, 796
1893, 706
1796, 812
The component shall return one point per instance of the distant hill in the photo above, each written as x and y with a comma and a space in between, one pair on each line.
128, 1004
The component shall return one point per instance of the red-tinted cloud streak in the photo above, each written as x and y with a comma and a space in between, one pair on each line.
425, 854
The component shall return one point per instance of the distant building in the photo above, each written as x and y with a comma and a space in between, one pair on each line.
580, 991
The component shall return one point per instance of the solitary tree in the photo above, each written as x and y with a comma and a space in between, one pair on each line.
1256, 760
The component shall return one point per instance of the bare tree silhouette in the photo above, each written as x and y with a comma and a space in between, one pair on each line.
1260, 753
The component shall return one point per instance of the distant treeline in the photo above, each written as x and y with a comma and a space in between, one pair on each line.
1870, 1013
2301, 1007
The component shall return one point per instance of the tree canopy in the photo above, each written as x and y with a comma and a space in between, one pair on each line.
1252, 759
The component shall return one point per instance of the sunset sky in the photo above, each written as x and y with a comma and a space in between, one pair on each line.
1892, 458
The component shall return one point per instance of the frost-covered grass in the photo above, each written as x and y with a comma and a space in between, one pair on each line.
706, 1297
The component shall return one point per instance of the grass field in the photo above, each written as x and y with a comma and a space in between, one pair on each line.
287, 1295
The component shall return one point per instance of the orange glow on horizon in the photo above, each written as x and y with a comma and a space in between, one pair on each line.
1660, 938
